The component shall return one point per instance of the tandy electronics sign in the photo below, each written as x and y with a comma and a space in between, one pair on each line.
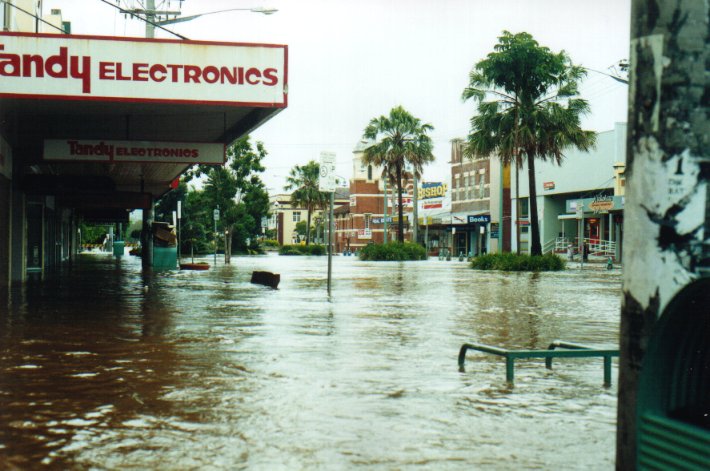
122, 69
73, 150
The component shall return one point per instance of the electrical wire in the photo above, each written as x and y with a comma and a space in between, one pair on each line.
146, 20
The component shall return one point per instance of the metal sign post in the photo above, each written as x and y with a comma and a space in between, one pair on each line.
179, 216
215, 215
326, 183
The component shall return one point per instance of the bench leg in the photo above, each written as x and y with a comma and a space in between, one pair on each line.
510, 370
607, 371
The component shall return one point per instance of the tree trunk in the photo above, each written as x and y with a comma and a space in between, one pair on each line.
400, 222
308, 226
535, 246
667, 208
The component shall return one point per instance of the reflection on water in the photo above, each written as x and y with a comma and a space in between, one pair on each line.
108, 368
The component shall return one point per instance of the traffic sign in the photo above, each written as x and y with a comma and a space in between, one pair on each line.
215, 214
327, 182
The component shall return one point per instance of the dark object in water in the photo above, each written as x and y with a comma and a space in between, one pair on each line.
266, 278
195, 266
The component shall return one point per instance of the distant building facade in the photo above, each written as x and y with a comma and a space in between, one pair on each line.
471, 217
363, 220
579, 202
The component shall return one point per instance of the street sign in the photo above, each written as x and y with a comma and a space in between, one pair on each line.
327, 182
215, 214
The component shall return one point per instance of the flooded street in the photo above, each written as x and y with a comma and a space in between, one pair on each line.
107, 368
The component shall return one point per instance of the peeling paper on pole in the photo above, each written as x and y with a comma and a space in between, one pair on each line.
658, 188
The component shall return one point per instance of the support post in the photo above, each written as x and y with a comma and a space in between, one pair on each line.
510, 369
667, 207
331, 230
147, 236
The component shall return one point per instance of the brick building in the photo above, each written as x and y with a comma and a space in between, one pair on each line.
362, 221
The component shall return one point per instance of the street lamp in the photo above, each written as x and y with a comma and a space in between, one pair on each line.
151, 13
181, 19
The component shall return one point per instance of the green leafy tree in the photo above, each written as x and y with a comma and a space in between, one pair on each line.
303, 180
196, 219
237, 190
400, 139
528, 109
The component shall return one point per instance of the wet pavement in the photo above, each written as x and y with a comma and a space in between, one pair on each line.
105, 367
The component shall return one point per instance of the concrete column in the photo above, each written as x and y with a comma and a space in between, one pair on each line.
668, 168
18, 237
147, 235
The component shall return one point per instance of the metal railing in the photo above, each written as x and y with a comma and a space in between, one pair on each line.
570, 350
597, 247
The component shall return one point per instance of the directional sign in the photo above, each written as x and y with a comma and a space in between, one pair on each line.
327, 181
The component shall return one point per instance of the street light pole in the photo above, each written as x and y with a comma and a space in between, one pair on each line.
151, 15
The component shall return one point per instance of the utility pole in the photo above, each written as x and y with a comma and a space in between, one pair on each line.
667, 208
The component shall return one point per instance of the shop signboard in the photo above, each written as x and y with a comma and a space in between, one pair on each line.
602, 203
140, 70
479, 219
364, 234
432, 195
82, 150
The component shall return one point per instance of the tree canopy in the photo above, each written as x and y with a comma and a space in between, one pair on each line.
303, 181
399, 139
528, 109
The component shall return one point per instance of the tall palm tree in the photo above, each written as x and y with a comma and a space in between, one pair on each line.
303, 180
534, 112
400, 139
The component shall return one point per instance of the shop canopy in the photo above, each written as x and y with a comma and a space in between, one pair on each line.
110, 123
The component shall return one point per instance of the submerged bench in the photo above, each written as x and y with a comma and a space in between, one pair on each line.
569, 350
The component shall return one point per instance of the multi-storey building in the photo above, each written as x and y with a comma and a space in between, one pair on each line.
471, 218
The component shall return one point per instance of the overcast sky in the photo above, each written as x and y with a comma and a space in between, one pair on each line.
352, 60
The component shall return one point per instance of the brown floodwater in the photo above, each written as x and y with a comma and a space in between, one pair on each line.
105, 367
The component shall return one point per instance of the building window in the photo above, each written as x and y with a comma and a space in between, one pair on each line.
367, 220
369, 172
456, 180
524, 211
296, 216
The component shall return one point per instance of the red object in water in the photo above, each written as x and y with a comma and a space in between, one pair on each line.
195, 266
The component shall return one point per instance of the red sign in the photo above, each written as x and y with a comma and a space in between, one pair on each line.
548, 185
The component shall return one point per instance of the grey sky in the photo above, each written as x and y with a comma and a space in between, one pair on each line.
352, 60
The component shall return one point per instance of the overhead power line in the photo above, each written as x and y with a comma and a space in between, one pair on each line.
142, 18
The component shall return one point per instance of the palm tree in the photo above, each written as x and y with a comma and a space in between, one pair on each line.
303, 179
399, 139
534, 112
